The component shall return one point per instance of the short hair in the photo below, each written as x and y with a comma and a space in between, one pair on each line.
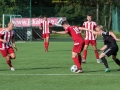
89, 15
10, 23
44, 16
100, 27
65, 22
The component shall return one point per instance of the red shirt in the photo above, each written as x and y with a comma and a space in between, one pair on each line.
46, 25
6, 35
90, 25
74, 32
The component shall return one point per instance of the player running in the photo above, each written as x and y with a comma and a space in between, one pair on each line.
90, 38
6, 37
46, 31
110, 46
74, 32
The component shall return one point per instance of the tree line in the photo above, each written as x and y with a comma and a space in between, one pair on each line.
74, 10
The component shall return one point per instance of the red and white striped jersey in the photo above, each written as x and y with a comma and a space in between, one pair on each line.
6, 35
90, 25
46, 25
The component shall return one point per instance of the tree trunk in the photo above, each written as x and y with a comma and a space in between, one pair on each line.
97, 13
105, 23
110, 17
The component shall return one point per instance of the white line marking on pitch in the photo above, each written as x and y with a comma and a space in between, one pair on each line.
59, 74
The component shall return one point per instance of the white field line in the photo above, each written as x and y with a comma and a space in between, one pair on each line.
99, 41
3, 74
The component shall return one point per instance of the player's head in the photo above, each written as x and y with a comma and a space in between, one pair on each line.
10, 26
45, 17
65, 24
99, 28
89, 17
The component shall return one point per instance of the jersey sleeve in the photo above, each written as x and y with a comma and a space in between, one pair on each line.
105, 33
95, 25
67, 29
50, 24
12, 33
83, 25
1, 33
41, 24
105, 43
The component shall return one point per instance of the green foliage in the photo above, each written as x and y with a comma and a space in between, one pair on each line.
14, 7
74, 10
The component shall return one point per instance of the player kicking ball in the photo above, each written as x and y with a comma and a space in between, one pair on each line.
74, 32
110, 47
6, 37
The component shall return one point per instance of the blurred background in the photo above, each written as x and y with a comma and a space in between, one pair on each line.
105, 12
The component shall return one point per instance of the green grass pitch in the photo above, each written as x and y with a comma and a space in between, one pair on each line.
38, 70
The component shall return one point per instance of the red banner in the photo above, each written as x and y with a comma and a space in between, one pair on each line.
25, 22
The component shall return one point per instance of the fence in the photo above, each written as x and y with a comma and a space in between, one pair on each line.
75, 15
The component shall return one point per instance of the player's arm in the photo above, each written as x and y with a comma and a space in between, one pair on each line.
81, 28
13, 43
40, 26
102, 49
4, 41
96, 36
60, 32
114, 36
50, 25
94, 32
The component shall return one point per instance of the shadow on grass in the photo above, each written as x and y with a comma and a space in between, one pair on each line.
59, 50
112, 70
40, 68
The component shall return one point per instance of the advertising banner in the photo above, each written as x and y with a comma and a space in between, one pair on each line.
25, 22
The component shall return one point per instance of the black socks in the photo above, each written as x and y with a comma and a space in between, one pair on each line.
105, 62
117, 61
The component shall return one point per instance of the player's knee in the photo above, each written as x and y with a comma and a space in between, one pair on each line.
7, 57
85, 48
74, 55
13, 57
101, 56
113, 57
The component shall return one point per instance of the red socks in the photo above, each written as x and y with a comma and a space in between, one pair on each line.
80, 59
96, 54
9, 63
84, 54
77, 62
46, 44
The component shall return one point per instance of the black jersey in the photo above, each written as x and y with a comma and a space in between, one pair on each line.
109, 40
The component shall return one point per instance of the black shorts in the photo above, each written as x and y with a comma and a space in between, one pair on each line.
111, 51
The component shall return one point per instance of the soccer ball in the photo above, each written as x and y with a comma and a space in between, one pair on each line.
73, 68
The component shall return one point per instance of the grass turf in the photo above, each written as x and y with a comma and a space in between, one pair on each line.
38, 70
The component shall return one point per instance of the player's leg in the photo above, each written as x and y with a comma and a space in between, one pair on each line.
116, 59
46, 42
77, 61
11, 56
93, 43
77, 49
44, 37
102, 57
107, 52
114, 54
7, 57
85, 51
